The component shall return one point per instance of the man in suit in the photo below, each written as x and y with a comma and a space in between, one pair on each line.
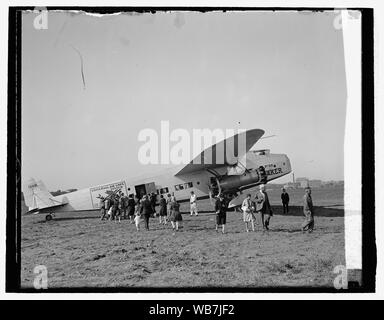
309, 221
263, 207
285, 201
146, 210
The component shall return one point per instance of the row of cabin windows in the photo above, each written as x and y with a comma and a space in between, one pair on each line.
162, 190
178, 187
183, 186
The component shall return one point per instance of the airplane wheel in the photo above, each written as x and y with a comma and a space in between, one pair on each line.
48, 217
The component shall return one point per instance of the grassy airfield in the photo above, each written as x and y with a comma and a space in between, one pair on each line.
81, 251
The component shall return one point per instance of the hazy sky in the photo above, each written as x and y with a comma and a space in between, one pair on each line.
282, 72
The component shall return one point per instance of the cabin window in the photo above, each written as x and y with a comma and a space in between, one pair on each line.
163, 190
188, 185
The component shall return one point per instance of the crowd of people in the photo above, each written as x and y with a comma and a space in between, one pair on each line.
137, 209
257, 211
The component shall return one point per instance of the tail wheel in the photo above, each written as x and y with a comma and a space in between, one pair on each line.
48, 217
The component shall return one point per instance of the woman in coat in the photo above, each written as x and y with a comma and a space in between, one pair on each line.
247, 212
163, 210
175, 215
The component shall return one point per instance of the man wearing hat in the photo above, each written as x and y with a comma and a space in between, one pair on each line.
263, 207
309, 221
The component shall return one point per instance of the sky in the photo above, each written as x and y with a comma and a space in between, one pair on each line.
282, 72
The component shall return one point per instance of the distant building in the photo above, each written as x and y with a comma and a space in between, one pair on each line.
292, 185
315, 183
332, 183
273, 186
303, 182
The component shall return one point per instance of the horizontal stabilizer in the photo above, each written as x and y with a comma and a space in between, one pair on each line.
45, 209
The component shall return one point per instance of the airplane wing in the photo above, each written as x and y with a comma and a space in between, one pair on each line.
208, 158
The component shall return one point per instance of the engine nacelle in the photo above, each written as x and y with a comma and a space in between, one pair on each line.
235, 182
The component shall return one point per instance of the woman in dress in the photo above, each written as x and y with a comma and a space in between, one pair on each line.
175, 215
163, 210
248, 212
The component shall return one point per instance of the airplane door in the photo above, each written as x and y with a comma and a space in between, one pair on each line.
146, 188
150, 187
140, 190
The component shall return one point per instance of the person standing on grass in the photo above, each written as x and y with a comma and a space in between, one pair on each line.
309, 221
146, 210
137, 218
285, 201
175, 216
107, 206
153, 203
193, 204
221, 212
131, 208
247, 213
163, 210
169, 207
122, 208
118, 211
263, 207
112, 209
102, 208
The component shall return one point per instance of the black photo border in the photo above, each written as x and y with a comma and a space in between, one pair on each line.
14, 113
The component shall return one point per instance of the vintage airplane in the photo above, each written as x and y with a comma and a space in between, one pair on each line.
230, 176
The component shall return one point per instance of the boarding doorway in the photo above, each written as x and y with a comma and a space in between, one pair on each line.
145, 188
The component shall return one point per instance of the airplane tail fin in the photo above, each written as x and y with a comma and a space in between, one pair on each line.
37, 196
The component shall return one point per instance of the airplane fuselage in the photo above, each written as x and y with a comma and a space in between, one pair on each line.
274, 166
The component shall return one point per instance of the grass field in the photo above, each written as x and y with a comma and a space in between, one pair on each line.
81, 251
